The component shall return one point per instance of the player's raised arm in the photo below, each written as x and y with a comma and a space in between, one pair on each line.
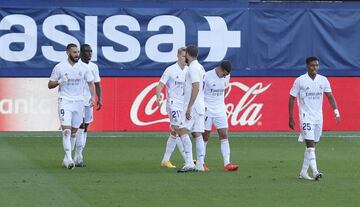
333, 104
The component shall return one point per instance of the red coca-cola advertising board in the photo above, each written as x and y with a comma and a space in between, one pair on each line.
253, 104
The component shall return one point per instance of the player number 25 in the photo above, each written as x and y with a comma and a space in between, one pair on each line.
306, 126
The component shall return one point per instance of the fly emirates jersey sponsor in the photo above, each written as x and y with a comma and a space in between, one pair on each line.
309, 94
174, 79
77, 77
93, 68
195, 73
215, 94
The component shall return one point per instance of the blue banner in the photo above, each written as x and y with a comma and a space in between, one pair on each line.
144, 41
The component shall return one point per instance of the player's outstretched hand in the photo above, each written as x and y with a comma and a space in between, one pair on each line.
292, 124
99, 105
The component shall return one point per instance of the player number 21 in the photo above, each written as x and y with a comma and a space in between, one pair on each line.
175, 114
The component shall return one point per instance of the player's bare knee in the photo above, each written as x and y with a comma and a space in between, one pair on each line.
223, 133
73, 130
181, 131
66, 132
173, 133
196, 134
206, 136
309, 143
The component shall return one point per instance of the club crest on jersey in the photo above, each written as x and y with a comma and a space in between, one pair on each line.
321, 87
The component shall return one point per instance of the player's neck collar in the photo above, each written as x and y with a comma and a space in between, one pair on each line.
311, 77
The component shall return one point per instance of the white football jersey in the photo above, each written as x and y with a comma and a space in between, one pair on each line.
195, 73
215, 94
309, 94
174, 79
77, 78
95, 72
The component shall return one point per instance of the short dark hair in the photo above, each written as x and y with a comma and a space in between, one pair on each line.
69, 46
310, 59
83, 46
226, 65
192, 50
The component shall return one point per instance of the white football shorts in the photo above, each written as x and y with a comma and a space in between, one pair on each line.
196, 123
176, 116
71, 113
310, 131
220, 122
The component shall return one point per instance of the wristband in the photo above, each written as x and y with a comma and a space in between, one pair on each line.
337, 113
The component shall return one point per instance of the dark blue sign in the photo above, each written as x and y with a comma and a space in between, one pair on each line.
144, 41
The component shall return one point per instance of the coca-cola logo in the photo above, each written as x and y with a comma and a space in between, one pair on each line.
245, 111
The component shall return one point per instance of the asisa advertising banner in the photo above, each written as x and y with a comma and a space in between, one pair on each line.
143, 41
253, 104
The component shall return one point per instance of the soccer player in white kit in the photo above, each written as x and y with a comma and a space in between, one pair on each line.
216, 83
174, 79
194, 111
81, 135
71, 78
308, 89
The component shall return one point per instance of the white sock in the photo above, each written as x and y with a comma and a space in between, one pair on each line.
187, 149
205, 144
225, 150
84, 140
180, 146
67, 143
200, 150
72, 141
79, 145
312, 160
306, 163
170, 146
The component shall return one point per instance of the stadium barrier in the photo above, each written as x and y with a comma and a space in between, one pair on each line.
253, 104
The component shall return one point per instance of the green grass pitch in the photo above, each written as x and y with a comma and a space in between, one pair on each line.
124, 170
